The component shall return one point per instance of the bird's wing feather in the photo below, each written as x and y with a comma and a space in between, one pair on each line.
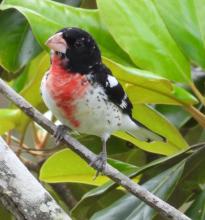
112, 88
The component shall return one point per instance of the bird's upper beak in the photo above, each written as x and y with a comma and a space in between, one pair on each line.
57, 43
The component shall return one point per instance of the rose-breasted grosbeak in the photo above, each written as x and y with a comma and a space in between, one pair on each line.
83, 94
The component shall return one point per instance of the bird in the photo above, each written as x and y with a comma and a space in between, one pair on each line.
83, 94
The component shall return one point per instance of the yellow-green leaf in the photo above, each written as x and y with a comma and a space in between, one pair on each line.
8, 119
66, 166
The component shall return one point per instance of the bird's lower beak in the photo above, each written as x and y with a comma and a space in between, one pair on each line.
57, 43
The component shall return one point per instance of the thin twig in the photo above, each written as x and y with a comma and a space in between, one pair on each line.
21, 141
43, 142
196, 114
36, 139
8, 138
162, 207
26, 148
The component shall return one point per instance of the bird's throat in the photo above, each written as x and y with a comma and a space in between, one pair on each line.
59, 64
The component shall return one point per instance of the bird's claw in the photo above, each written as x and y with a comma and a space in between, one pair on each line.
59, 133
99, 163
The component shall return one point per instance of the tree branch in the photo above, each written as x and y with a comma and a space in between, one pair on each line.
21, 193
162, 207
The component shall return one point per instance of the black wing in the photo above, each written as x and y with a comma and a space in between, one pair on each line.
116, 94
102, 75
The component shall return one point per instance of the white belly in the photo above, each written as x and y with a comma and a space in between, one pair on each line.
96, 114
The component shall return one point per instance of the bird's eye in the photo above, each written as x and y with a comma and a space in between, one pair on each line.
79, 44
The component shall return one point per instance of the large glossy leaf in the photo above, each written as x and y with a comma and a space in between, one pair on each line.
145, 87
66, 166
197, 209
139, 30
8, 119
17, 44
131, 208
185, 22
46, 17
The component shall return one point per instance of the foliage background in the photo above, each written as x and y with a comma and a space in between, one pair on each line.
156, 48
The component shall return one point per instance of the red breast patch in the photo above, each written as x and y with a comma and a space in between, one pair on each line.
66, 87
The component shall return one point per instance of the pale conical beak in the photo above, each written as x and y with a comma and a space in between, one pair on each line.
57, 43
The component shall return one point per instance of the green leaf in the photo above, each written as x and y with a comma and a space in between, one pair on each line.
139, 30
17, 44
130, 207
145, 87
87, 208
160, 125
200, 10
193, 176
175, 114
4, 213
45, 18
9, 119
133, 156
185, 22
195, 134
20, 82
36, 71
66, 166
197, 209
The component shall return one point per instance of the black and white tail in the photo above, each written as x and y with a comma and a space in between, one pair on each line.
145, 134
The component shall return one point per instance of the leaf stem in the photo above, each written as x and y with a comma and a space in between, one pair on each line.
196, 114
197, 93
21, 142
8, 138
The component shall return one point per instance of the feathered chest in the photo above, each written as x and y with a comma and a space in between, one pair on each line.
65, 89
66, 86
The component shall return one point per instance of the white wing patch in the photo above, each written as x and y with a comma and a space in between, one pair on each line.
112, 81
123, 104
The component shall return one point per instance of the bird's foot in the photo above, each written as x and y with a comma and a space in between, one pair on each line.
59, 133
99, 163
